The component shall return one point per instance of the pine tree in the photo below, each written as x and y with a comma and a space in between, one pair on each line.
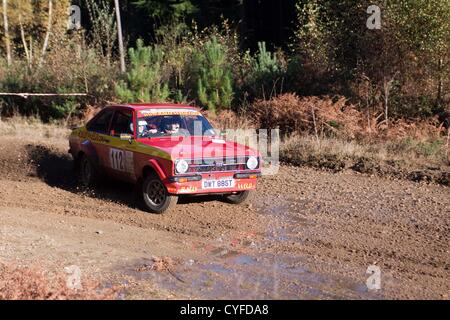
143, 82
265, 73
266, 62
215, 90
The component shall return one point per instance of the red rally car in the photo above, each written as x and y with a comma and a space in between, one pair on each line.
168, 150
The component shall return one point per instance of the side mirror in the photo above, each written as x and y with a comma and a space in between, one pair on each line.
126, 137
220, 133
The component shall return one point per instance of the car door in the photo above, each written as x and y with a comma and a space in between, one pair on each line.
99, 138
121, 151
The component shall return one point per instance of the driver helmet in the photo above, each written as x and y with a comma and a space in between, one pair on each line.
142, 126
171, 126
152, 128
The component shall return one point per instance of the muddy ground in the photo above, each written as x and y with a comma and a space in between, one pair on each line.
306, 234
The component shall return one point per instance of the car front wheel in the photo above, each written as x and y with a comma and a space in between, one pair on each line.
237, 197
155, 195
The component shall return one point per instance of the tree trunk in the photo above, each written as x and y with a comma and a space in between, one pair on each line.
386, 90
119, 34
387, 87
24, 41
440, 82
316, 132
47, 35
6, 30
31, 48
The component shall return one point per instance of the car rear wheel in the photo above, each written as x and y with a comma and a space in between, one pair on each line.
237, 197
155, 195
87, 173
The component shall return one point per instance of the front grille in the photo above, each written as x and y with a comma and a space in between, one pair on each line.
217, 165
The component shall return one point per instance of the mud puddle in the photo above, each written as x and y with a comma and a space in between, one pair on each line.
250, 271
247, 277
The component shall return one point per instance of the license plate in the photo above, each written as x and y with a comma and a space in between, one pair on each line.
219, 184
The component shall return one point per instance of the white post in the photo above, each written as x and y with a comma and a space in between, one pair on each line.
119, 33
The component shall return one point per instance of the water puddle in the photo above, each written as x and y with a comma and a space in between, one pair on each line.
249, 277
244, 260
241, 270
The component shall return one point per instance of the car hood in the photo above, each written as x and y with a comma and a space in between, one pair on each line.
199, 147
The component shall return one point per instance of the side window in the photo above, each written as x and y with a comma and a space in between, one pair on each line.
101, 123
122, 123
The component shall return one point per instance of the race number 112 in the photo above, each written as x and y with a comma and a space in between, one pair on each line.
117, 160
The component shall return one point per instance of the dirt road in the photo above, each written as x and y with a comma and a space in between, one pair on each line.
305, 235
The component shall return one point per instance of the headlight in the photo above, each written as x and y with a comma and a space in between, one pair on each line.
182, 166
252, 163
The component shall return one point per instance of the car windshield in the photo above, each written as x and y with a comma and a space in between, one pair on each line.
169, 124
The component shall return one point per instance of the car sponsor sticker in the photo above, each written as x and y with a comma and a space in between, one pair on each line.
92, 136
121, 160
188, 190
246, 186
168, 112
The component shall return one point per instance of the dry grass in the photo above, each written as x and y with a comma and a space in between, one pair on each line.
32, 128
31, 283
408, 150
303, 147
402, 157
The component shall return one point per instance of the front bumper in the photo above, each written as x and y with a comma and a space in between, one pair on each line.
193, 184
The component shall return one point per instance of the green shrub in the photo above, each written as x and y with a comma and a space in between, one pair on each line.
427, 148
143, 82
431, 148
214, 84
266, 74
335, 124
64, 109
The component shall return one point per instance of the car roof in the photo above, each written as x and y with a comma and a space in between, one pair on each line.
143, 106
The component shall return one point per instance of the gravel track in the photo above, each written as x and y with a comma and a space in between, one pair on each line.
322, 229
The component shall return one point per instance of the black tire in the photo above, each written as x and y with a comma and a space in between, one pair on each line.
156, 198
87, 173
238, 197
